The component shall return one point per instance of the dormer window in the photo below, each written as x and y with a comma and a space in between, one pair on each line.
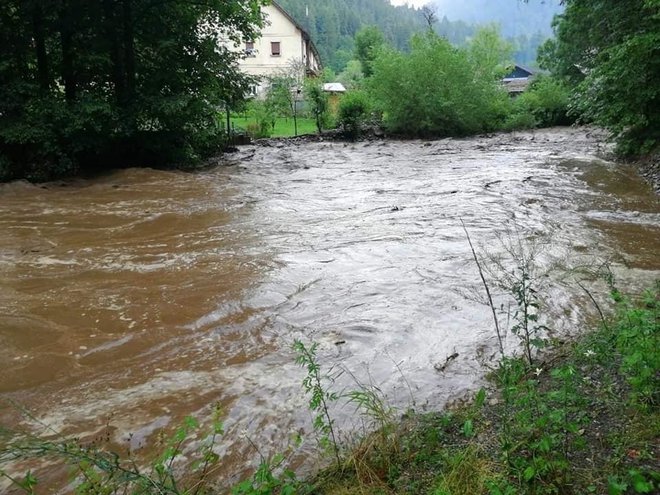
275, 50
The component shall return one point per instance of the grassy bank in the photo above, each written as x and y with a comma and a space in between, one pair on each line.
579, 418
284, 126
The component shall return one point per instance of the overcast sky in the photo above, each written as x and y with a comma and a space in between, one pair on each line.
415, 3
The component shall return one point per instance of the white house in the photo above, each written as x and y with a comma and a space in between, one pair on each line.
283, 45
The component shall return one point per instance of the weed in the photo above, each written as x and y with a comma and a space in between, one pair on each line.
320, 396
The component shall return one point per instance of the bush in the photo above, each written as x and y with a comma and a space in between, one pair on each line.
437, 89
353, 111
318, 101
264, 117
544, 104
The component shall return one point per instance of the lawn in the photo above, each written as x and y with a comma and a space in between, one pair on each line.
283, 126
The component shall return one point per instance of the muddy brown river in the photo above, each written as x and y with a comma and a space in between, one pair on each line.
133, 299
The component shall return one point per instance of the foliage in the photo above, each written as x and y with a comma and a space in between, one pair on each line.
265, 481
489, 54
353, 111
318, 101
368, 42
352, 76
610, 51
284, 91
89, 84
100, 471
320, 397
333, 24
544, 104
263, 117
438, 89
637, 334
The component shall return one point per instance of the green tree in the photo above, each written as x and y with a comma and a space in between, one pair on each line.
437, 89
90, 84
353, 110
368, 42
610, 51
285, 90
318, 100
351, 77
490, 54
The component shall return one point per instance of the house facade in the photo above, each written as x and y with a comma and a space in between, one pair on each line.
517, 80
282, 47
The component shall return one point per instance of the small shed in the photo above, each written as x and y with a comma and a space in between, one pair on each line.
334, 90
517, 80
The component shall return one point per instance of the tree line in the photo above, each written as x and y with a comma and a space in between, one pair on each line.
91, 84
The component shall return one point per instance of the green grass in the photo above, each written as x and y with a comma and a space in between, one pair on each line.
283, 126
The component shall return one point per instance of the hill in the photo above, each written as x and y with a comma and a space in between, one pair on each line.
332, 24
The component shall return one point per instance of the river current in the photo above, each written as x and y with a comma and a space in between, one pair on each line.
130, 300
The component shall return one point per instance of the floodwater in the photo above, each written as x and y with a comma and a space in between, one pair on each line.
133, 299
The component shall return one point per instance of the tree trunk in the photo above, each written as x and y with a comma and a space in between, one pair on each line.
117, 70
129, 48
66, 40
43, 75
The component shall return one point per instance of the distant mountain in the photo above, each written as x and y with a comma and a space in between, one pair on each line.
515, 17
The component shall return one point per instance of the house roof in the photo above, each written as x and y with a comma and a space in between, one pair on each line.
518, 72
305, 34
335, 87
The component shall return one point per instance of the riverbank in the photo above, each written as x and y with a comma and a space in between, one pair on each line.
583, 418
649, 168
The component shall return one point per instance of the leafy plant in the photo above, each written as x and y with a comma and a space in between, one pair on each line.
638, 339
318, 100
438, 89
320, 397
266, 482
353, 110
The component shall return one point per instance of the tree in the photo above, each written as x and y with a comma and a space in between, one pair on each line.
285, 89
368, 41
490, 54
97, 83
352, 75
430, 15
610, 52
318, 100
436, 89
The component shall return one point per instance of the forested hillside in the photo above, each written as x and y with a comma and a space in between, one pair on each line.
515, 17
332, 24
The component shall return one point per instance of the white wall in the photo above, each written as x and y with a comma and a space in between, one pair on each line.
292, 46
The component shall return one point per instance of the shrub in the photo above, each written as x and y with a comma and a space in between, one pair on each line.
318, 101
544, 104
437, 89
353, 110
264, 119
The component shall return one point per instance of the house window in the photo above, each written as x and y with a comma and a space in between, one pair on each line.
249, 49
275, 48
